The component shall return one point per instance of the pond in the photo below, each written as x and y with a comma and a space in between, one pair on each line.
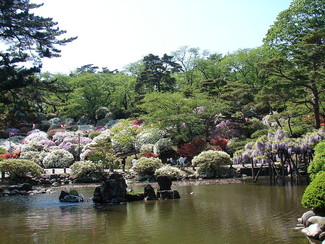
229, 213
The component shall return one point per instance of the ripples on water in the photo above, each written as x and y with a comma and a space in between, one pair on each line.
234, 213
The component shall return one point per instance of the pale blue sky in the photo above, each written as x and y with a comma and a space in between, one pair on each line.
115, 33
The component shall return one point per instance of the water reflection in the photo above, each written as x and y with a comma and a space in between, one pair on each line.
236, 213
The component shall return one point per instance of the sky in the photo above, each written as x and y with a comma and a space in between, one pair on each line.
116, 33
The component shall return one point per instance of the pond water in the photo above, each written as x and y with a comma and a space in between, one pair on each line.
231, 213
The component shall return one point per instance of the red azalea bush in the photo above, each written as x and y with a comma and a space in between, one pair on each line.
192, 148
149, 155
219, 142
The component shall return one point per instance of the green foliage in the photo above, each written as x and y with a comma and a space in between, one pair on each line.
102, 153
259, 133
211, 163
18, 168
147, 166
26, 39
172, 172
2, 150
313, 196
93, 134
124, 136
86, 171
317, 166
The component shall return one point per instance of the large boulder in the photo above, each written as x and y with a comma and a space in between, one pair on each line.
164, 182
113, 190
149, 193
312, 231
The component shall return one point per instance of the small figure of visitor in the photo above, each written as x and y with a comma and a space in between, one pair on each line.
123, 163
181, 161
134, 160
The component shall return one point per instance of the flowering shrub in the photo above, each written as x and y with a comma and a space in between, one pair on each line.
146, 148
211, 163
149, 155
6, 155
172, 172
163, 145
86, 171
36, 137
226, 129
58, 159
36, 157
71, 144
148, 136
60, 136
218, 141
104, 135
193, 148
18, 168
31, 146
147, 166
11, 132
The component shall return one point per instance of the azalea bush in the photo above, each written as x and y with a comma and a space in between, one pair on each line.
58, 159
162, 145
18, 168
211, 163
172, 172
87, 171
193, 148
36, 157
147, 166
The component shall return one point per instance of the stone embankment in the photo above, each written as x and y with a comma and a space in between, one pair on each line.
312, 226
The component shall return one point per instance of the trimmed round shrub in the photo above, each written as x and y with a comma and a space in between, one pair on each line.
172, 172
147, 166
36, 157
87, 172
18, 168
58, 159
211, 163
313, 196
318, 164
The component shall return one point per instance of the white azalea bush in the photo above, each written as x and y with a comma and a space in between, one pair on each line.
172, 172
87, 171
148, 136
211, 163
36, 157
147, 166
163, 145
146, 148
58, 159
36, 136
60, 136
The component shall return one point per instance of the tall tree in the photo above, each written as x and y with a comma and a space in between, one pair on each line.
298, 40
157, 74
25, 39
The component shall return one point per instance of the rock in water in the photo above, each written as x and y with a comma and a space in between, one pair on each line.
113, 191
164, 182
66, 197
149, 193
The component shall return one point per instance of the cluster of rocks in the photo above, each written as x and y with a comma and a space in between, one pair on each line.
114, 191
22, 189
312, 225
54, 179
